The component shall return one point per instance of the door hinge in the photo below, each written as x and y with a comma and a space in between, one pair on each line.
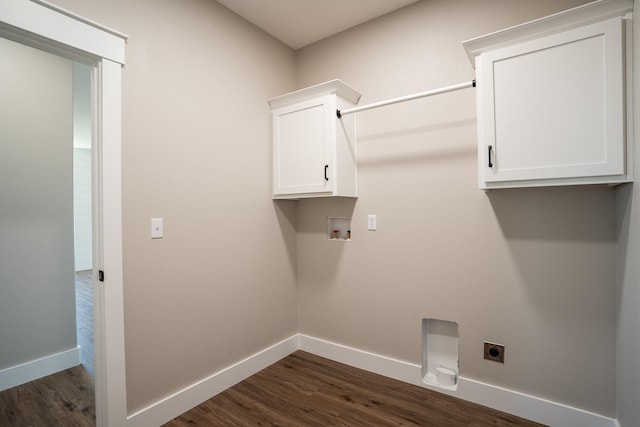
101, 275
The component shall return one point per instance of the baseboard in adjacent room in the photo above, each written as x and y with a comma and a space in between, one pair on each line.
35, 369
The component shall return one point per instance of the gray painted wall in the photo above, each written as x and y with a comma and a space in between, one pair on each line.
37, 297
533, 269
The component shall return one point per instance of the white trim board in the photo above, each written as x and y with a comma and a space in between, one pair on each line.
35, 369
519, 404
60, 26
515, 403
181, 401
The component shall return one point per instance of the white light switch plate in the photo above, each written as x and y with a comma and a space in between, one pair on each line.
157, 231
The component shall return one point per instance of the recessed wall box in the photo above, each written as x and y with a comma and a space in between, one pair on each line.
339, 228
440, 353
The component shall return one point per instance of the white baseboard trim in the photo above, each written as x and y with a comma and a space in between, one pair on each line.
35, 369
520, 404
181, 401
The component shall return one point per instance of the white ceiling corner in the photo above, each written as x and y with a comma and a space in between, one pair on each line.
298, 23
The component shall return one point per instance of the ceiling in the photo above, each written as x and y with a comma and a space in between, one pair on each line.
298, 23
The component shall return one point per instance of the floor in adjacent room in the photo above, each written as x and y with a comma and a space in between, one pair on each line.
64, 399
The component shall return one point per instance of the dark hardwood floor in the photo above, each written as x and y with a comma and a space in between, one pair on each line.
64, 399
307, 390
300, 390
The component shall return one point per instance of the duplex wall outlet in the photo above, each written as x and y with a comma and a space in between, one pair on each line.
494, 352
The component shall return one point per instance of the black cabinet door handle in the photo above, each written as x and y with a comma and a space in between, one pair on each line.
490, 164
326, 178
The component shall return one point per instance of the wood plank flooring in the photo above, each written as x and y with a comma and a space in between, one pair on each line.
306, 390
300, 390
64, 399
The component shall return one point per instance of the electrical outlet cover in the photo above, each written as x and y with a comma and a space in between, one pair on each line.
494, 352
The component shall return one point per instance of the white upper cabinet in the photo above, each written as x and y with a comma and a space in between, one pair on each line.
552, 100
314, 152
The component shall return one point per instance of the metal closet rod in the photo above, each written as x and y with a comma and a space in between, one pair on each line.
465, 85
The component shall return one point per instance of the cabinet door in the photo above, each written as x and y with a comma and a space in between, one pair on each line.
553, 108
302, 147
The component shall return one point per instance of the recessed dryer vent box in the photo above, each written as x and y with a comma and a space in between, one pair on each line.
440, 353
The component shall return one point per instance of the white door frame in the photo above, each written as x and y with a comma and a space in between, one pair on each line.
42, 25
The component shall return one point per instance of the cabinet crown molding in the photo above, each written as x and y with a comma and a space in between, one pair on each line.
336, 86
562, 21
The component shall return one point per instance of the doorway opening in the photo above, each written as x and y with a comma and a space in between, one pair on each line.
44, 26
46, 235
